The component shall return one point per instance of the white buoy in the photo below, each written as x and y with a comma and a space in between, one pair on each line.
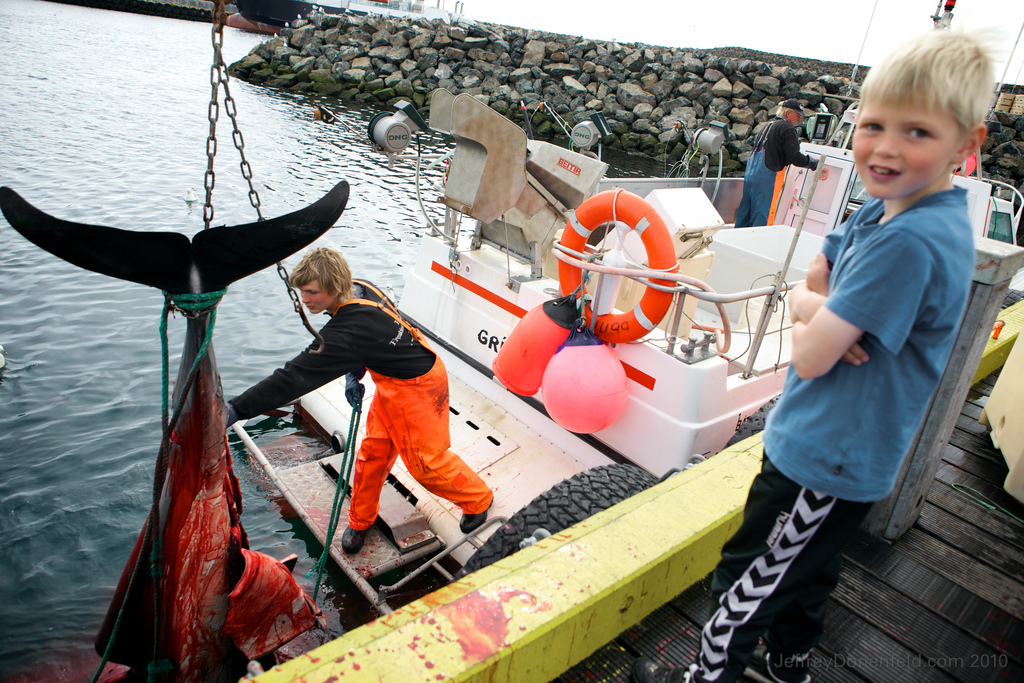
3, 361
191, 195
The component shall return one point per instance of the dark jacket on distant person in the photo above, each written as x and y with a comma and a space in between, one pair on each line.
781, 146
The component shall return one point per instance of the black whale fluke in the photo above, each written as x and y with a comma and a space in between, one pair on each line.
170, 261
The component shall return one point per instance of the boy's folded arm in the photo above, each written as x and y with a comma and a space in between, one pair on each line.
823, 341
818, 273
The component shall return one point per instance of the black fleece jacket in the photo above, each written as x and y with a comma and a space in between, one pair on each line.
781, 146
357, 336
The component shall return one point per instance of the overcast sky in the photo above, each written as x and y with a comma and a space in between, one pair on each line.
833, 30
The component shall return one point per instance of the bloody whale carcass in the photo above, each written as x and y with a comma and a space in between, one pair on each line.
193, 603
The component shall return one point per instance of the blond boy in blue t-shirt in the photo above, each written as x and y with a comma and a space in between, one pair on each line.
873, 328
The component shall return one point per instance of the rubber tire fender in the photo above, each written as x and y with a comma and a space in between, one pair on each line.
753, 424
564, 504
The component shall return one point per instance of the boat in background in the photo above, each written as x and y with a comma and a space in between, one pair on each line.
279, 13
238, 21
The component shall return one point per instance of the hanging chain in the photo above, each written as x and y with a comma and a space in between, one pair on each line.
218, 77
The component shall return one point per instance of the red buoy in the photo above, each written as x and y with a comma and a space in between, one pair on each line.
521, 360
585, 387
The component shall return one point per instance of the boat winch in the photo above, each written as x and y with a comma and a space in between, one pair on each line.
391, 132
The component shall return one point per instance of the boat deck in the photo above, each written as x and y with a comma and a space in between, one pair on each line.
943, 603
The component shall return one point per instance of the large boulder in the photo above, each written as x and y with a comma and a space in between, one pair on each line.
534, 53
767, 84
692, 65
573, 87
741, 90
300, 37
630, 94
634, 61
561, 70
723, 88
742, 115
352, 76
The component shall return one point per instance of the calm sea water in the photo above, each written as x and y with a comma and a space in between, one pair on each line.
104, 121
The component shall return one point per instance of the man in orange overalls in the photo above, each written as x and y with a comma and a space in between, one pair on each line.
409, 412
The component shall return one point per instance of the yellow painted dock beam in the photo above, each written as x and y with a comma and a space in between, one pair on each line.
539, 612
998, 350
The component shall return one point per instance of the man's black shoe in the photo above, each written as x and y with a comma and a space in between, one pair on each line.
470, 522
352, 540
646, 670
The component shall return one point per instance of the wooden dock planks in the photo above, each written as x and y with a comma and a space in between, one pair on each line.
941, 604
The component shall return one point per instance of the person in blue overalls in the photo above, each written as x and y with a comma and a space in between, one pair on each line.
775, 148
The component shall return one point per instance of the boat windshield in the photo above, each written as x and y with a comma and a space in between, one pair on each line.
859, 195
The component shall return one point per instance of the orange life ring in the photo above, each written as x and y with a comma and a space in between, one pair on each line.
626, 207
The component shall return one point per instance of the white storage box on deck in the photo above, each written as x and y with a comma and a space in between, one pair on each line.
1002, 415
691, 218
696, 266
749, 258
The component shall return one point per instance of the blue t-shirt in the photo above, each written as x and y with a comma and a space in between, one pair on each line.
904, 282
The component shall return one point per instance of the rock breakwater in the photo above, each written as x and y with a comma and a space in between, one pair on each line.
651, 96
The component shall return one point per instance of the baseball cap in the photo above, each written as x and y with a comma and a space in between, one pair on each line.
795, 105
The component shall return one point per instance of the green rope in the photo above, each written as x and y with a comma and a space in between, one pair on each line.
194, 304
154, 669
982, 500
120, 612
344, 478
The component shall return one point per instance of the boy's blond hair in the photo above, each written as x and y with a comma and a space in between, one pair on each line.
329, 268
950, 71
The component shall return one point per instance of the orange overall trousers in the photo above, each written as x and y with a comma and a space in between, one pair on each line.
409, 417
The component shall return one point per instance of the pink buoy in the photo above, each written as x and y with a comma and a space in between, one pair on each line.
521, 361
585, 387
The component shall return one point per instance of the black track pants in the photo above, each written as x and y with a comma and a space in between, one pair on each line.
776, 573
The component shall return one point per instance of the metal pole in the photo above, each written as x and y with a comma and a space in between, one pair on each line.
856, 65
999, 86
680, 299
773, 298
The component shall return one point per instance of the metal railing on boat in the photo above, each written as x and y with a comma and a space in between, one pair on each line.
691, 287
